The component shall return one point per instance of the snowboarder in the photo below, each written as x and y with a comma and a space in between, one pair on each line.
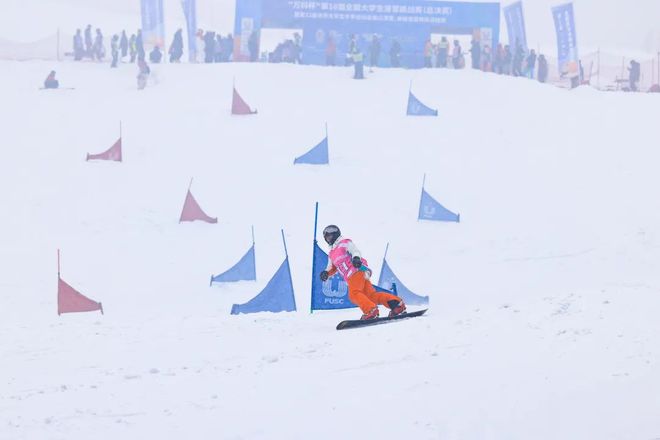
51, 82
346, 259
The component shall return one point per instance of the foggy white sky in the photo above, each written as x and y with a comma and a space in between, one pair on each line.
625, 24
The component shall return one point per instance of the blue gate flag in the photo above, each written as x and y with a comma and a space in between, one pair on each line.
316, 156
431, 209
153, 23
190, 12
277, 296
416, 108
388, 280
567, 53
244, 270
515, 25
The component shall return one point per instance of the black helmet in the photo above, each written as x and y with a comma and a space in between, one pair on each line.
331, 233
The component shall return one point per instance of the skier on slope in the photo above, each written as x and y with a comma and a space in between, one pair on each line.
345, 258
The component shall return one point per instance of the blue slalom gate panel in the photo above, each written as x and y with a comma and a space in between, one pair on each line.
388, 280
431, 209
417, 108
277, 296
244, 270
316, 156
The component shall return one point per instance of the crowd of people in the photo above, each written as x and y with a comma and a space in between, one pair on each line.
212, 47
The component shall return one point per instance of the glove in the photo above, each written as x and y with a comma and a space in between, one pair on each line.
357, 262
324, 275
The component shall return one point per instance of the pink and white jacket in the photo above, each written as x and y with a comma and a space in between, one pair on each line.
340, 259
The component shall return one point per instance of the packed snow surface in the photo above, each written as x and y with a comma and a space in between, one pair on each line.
544, 299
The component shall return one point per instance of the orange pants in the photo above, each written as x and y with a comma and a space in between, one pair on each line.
363, 294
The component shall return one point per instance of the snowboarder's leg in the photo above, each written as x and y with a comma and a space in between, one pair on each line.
384, 299
357, 284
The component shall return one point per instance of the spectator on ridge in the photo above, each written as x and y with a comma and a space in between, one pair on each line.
99, 49
443, 52
132, 47
123, 45
139, 45
78, 47
114, 50
635, 73
395, 54
253, 46
475, 51
51, 82
330, 52
155, 55
531, 64
428, 53
374, 50
543, 69
176, 49
89, 42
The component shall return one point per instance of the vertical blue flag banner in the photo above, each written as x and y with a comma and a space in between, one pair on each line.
431, 209
153, 23
244, 270
316, 156
388, 280
190, 12
567, 52
515, 25
416, 108
277, 296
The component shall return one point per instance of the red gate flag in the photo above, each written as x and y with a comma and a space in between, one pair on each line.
69, 300
240, 107
113, 153
192, 211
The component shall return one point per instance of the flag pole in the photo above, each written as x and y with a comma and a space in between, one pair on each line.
288, 268
253, 235
421, 197
58, 263
120, 129
316, 217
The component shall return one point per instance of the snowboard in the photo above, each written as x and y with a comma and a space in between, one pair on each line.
364, 323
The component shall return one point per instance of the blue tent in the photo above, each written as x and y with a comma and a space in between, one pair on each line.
277, 296
244, 270
416, 108
317, 155
431, 209
333, 293
388, 280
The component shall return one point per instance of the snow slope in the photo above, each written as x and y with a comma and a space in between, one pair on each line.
543, 321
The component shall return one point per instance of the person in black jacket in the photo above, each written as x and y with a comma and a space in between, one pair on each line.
543, 69
88, 41
375, 50
531, 64
114, 50
123, 45
99, 49
51, 82
139, 45
253, 46
155, 55
635, 73
78, 47
176, 49
395, 53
